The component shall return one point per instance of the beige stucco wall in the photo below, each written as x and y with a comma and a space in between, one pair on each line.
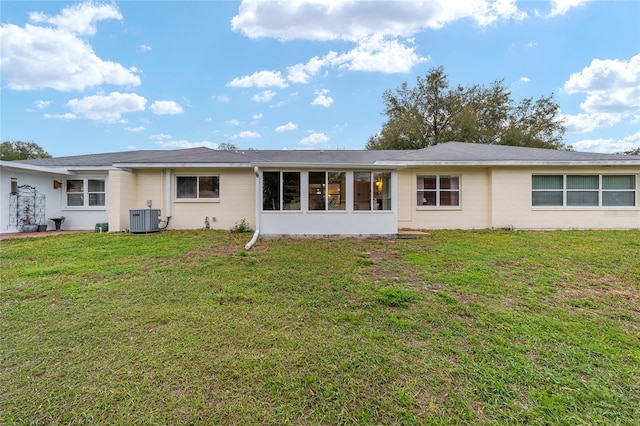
489, 198
122, 196
511, 203
500, 197
236, 202
150, 186
474, 211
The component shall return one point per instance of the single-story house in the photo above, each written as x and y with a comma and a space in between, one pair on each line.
452, 185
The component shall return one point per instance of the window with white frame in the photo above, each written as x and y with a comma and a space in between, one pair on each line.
371, 191
87, 192
583, 190
438, 191
197, 187
327, 190
280, 191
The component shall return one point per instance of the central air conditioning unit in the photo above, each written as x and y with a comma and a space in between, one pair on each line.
144, 221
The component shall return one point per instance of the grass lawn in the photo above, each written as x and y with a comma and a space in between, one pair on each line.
458, 327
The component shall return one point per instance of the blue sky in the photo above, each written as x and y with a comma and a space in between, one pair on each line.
90, 77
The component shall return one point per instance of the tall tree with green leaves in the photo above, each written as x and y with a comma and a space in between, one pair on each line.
20, 150
431, 113
226, 146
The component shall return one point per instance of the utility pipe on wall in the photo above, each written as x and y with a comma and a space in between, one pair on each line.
167, 194
256, 171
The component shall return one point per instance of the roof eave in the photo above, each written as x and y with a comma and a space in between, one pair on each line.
181, 165
512, 163
33, 168
332, 166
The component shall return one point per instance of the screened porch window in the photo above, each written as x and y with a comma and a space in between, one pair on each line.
583, 190
280, 191
327, 190
618, 190
372, 191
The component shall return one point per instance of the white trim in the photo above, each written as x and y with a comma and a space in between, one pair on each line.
484, 163
183, 165
325, 166
22, 166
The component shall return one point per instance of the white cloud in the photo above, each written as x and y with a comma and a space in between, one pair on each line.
376, 28
247, 134
314, 139
232, 122
583, 123
300, 73
183, 144
355, 20
612, 90
608, 146
55, 56
42, 104
108, 108
605, 74
265, 96
286, 127
66, 116
80, 18
134, 129
373, 54
165, 108
257, 116
380, 55
145, 48
560, 7
322, 99
525, 79
160, 137
222, 99
260, 79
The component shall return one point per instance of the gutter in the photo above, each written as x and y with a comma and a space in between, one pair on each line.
329, 166
481, 163
256, 171
43, 169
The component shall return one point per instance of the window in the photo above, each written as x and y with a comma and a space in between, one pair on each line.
438, 191
583, 190
197, 187
327, 190
86, 192
281, 191
618, 190
372, 191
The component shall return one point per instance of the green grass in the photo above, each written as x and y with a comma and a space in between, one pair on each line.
178, 328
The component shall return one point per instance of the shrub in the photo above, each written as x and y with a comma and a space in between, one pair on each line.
242, 227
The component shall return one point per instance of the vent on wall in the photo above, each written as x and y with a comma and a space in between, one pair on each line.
144, 221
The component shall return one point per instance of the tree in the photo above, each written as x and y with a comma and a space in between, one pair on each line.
634, 151
20, 150
432, 113
227, 146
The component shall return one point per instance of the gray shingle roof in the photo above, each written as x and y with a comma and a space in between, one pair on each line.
470, 152
449, 153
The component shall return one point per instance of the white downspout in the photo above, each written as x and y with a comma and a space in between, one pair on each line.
167, 194
256, 171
